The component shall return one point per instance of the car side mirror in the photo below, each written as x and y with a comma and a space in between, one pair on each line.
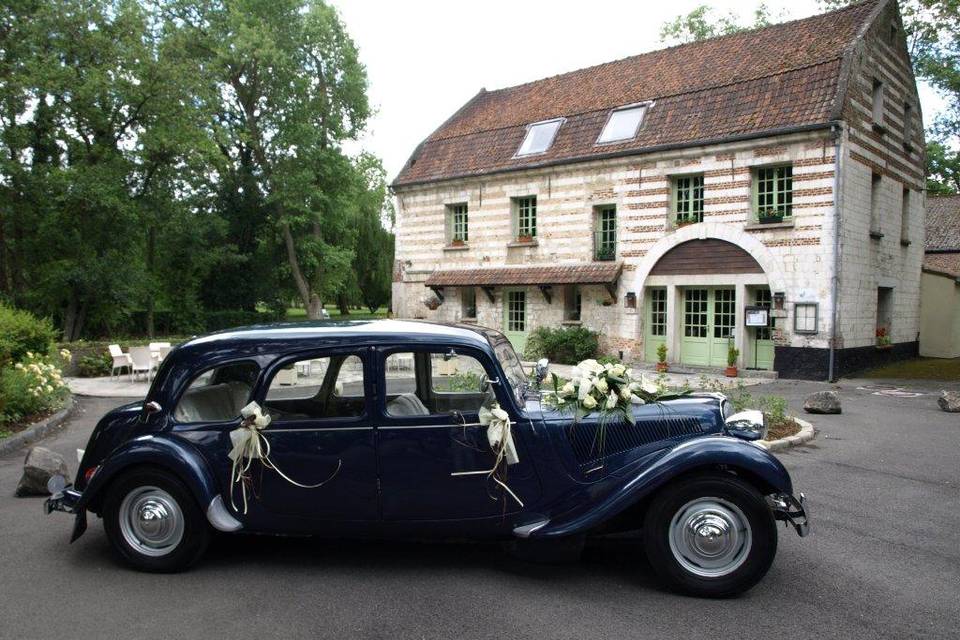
152, 407
746, 425
541, 369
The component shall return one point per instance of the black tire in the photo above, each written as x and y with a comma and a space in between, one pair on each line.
183, 550
750, 561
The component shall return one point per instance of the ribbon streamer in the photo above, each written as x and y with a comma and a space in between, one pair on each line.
249, 444
501, 442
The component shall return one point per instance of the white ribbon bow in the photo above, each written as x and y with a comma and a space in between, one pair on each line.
501, 442
249, 444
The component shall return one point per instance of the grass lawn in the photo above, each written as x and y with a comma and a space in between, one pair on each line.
919, 369
299, 313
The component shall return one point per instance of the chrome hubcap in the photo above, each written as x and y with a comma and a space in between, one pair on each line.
151, 521
710, 537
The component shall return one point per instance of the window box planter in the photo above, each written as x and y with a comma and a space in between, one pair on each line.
605, 253
767, 218
685, 223
458, 242
525, 239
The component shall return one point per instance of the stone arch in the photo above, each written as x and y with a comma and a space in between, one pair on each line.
708, 230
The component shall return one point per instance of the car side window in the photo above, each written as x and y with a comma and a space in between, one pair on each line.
431, 383
217, 394
316, 388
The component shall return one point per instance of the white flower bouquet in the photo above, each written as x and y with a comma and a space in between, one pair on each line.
609, 389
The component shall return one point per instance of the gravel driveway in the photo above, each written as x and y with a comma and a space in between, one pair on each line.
883, 483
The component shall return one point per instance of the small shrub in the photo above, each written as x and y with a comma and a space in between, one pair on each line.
662, 352
30, 387
94, 366
22, 332
566, 345
774, 408
732, 354
609, 360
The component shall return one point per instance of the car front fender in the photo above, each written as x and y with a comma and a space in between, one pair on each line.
177, 457
758, 465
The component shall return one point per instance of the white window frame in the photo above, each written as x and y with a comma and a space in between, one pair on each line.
527, 136
796, 318
643, 116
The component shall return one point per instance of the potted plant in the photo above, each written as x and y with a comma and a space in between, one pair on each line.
769, 215
883, 338
662, 358
683, 222
458, 242
606, 252
732, 354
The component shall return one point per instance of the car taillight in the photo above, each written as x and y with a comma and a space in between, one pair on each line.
89, 473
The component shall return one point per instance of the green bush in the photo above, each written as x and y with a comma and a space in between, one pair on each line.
94, 366
566, 345
609, 360
28, 388
21, 333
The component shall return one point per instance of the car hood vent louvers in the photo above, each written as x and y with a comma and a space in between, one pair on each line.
618, 437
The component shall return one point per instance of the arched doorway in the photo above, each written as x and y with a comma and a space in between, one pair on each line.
695, 297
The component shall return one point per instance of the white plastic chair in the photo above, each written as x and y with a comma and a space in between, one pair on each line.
121, 361
143, 361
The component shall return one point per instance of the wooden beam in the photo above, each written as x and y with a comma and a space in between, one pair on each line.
439, 292
547, 292
611, 288
489, 292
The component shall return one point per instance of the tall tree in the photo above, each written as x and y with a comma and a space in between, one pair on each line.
703, 23
289, 85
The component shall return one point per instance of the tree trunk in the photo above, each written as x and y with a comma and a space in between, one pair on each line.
151, 293
314, 308
344, 304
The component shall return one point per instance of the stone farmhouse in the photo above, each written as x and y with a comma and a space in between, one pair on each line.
774, 175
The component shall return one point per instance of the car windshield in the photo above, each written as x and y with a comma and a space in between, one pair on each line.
511, 366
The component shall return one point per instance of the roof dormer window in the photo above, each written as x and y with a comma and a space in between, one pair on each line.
539, 137
623, 123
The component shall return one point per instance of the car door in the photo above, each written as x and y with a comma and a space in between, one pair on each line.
428, 429
320, 430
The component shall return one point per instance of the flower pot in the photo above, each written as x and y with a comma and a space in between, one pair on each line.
662, 367
525, 239
730, 372
770, 219
457, 243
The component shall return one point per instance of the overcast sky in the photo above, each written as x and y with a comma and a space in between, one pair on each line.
425, 58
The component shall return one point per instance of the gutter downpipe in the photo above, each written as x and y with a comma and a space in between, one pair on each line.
837, 130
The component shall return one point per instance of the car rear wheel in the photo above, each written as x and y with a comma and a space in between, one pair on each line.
711, 536
154, 523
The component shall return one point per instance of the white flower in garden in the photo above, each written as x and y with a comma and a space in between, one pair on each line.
65, 354
567, 389
19, 365
602, 385
625, 393
30, 354
589, 402
49, 389
612, 400
618, 370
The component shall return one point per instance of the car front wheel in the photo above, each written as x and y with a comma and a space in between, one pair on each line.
711, 536
154, 523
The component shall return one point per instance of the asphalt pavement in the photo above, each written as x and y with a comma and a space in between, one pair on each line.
882, 560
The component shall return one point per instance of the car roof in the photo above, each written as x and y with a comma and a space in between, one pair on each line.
366, 331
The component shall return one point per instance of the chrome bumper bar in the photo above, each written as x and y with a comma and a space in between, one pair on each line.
791, 510
66, 500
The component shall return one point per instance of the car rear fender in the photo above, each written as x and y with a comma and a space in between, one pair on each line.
177, 457
757, 465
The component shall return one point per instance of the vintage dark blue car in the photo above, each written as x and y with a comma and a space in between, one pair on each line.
374, 428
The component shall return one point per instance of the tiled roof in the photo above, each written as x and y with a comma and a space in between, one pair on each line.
592, 273
779, 77
943, 223
946, 264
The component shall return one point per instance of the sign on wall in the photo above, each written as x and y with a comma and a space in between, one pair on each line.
757, 317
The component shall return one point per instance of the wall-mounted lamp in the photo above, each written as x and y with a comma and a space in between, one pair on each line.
778, 299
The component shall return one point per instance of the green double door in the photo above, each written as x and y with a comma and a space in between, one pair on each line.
708, 323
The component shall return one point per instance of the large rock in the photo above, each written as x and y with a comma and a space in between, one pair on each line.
38, 466
822, 402
949, 401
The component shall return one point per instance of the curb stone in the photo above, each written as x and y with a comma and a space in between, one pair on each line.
807, 433
39, 430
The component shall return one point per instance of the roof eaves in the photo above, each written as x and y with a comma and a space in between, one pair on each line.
752, 135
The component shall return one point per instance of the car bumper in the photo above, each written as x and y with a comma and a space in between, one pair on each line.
66, 500
793, 511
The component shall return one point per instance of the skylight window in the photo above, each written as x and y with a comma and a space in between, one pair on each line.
623, 124
539, 137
